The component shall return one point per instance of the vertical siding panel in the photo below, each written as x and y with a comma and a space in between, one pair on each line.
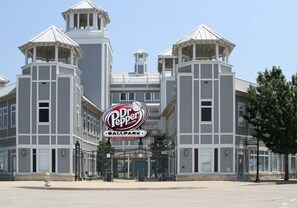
196, 107
24, 96
226, 85
63, 105
185, 104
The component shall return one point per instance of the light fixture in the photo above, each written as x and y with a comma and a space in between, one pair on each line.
186, 152
63, 152
24, 152
226, 152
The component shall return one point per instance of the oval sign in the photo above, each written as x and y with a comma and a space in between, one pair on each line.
126, 116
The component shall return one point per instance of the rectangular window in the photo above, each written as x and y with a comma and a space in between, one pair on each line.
293, 164
216, 160
156, 96
123, 97
12, 116
34, 161
43, 160
206, 160
263, 161
196, 161
131, 96
44, 112
3, 161
276, 162
241, 113
85, 120
206, 109
53, 160
148, 96
3, 118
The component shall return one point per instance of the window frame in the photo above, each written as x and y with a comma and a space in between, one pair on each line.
150, 96
120, 97
239, 111
13, 112
202, 107
44, 108
4, 117
131, 93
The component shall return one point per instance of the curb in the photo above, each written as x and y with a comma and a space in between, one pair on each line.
108, 189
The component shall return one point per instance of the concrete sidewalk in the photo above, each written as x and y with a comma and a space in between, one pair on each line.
122, 185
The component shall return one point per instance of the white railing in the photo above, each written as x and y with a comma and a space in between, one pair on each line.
125, 78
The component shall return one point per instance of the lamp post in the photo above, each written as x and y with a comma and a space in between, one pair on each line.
77, 148
140, 154
173, 157
257, 175
108, 158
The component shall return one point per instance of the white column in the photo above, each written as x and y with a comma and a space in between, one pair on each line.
227, 55
174, 69
180, 55
163, 67
34, 54
194, 52
128, 167
56, 53
217, 52
95, 20
26, 57
71, 57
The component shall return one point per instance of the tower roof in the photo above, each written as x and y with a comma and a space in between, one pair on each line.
140, 51
52, 36
203, 34
87, 5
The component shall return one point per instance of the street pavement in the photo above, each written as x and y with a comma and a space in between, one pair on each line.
132, 194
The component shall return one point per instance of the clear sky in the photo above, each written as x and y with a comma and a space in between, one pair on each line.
264, 31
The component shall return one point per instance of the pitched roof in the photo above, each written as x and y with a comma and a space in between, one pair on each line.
204, 33
3, 79
8, 90
52, 35
88, 5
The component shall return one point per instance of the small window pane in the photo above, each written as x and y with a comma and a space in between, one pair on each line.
123, 97
131, 97
43, 104
206, 114
43, 115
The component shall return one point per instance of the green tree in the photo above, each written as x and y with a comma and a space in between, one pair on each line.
156, 147
103, 149
272, 111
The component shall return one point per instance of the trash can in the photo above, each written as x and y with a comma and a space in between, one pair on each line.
141, 175
108, 176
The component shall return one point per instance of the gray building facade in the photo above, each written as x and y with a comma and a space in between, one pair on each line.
194, 101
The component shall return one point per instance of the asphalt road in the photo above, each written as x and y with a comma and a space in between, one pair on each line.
250, 196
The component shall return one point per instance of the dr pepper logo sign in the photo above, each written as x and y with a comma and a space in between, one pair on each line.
123, 120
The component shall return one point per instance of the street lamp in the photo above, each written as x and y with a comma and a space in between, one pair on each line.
108, 158
173, 157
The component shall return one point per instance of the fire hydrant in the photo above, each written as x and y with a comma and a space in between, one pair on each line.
46, 179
